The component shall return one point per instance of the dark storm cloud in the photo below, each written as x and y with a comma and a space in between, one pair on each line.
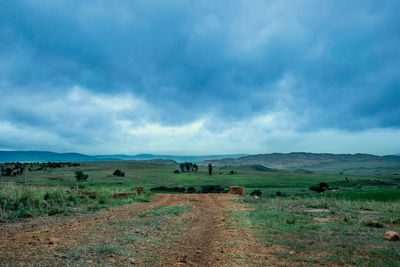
328, 64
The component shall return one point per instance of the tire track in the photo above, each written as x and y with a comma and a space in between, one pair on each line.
202, 244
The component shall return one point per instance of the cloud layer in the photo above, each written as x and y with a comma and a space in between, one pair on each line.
199, 77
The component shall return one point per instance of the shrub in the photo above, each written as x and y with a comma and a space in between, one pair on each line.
191, 190
177, 172
256, 193
212, 189
80, 176
177, 189
159, 189
119, 173
320, 188
373, 224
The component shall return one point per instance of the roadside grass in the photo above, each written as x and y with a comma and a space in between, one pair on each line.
127, 241
18, 201
324, 230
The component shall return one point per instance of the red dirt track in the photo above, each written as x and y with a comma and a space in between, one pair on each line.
212, 237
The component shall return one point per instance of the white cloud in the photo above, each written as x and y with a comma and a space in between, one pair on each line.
160, 130
270, 132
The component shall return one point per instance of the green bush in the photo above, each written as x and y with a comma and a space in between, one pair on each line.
80, 176
119, 173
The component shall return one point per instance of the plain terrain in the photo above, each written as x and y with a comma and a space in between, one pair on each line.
288, 225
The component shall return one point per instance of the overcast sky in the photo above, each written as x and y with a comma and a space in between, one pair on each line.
200, 77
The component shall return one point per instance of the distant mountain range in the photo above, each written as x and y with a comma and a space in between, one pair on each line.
288, 161
46, 156
301, 160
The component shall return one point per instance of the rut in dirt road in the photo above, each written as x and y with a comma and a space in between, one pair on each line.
204, 244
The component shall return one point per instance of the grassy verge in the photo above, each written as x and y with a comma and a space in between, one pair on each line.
28, 201
306, 230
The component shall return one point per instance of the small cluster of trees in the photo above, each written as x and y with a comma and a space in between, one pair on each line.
188, 167
50, 165
192, 167
15, 170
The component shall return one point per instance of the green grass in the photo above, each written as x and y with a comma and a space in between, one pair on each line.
359, 168
153, 175
18, 201
102, 181
369, 194
108, 250
325, 230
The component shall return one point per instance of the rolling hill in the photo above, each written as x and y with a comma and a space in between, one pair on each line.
313, 161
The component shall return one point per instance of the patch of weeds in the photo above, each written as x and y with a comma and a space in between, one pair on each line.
56, 211
93, 208
108, 250
130, 239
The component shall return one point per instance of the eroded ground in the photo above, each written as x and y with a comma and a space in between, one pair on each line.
172, 230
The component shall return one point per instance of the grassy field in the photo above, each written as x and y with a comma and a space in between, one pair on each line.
363, 168
14, 199
325, 230
153, 175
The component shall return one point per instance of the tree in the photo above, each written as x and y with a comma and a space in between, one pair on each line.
195, 167
6, 171
187, 166
80, 176
182, 166
209, 169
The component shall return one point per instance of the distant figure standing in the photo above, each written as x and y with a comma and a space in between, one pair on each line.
209, 169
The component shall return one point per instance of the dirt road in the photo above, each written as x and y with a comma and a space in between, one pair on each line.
142, 234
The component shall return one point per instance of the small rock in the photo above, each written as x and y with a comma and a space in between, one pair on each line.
392, 236
51, 243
